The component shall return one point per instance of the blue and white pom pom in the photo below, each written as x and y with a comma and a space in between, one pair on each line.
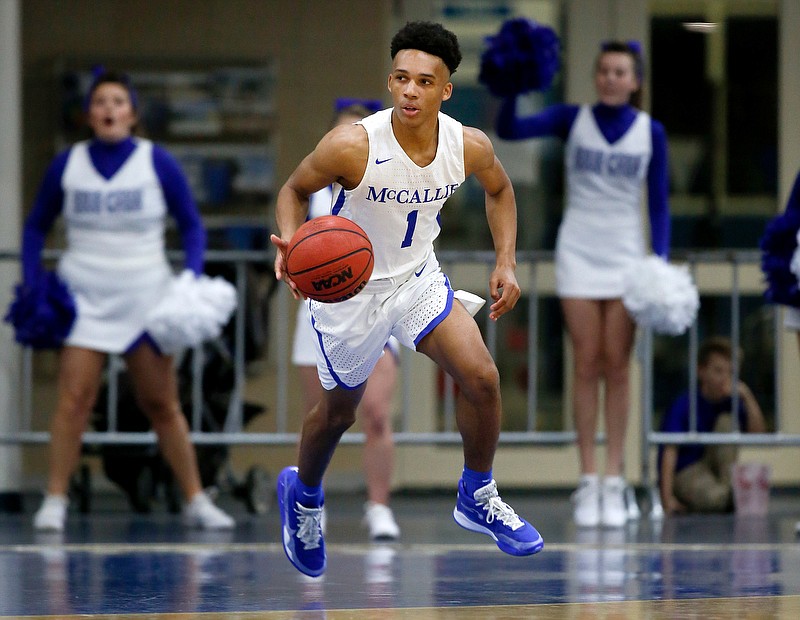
195, 310
778, 250
43, 313
794, 263
523, 56
661, 296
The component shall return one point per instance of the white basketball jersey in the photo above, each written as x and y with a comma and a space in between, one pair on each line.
606, 179
397, 202
319, 203
118, 218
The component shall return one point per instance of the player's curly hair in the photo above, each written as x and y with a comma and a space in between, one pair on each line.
431, 38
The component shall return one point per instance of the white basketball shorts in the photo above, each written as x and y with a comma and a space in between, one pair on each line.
353, 333
305, 343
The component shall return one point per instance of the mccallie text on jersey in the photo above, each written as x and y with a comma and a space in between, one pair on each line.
410, 196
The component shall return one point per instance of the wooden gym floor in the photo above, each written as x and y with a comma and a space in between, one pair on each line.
112, 563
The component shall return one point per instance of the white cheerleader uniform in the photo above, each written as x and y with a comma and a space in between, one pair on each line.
115, 263
602, 229
397, 203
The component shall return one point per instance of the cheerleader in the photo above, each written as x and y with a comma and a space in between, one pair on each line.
612, 150
780, 263
114, 192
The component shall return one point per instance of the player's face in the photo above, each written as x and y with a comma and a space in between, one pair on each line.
111, 114
715, 377
615, 78
419, 82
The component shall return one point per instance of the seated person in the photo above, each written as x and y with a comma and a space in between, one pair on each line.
695, 477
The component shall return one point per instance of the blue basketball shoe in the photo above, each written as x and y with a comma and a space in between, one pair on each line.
486, 513
302, 528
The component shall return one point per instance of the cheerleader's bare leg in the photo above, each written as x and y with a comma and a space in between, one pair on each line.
376, 412
79, 375
584, 319
156, 388
618, 334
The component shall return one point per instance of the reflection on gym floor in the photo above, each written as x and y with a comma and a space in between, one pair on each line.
112, 564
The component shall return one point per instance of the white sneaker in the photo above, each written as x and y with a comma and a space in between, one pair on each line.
51, 514
203, 514
586, 500
380, 521
613, 510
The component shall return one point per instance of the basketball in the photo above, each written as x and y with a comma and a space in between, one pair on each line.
330, 258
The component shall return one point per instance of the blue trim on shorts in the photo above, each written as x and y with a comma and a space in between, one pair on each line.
336, 378
144, 338
442, 315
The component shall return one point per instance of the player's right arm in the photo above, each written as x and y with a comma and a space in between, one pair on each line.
340, 157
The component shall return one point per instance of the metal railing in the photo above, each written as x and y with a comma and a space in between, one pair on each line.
531, 266
650, 437
240, 261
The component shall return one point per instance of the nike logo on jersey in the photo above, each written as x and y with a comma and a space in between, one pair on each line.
382, 161
421, 269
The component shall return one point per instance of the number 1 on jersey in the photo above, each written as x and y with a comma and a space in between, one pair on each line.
411, 221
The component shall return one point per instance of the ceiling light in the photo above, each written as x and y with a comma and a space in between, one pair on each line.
701, 27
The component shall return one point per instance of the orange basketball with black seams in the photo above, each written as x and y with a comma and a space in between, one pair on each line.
330, 258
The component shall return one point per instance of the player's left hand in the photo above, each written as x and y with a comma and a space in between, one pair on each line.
504, 289
281, 246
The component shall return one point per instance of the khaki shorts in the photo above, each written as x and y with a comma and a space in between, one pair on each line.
705, 486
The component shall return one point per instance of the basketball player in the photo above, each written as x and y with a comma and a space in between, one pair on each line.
397, 168
115, 192
376, 407
611, 147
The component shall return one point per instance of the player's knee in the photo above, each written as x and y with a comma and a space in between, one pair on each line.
339, 419
338, 425
482, 384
